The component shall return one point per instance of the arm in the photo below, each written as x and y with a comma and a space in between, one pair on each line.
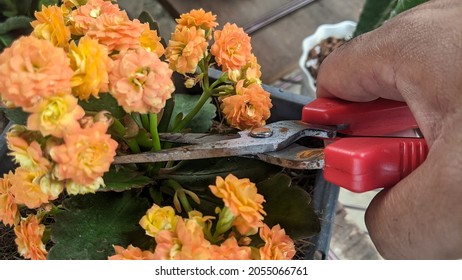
415, 57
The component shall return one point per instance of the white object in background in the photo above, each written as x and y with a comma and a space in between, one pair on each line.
342, 30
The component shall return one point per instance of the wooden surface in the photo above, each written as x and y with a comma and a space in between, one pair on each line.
277, 46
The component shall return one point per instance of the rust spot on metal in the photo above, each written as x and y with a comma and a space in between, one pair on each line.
283, 129
315, 153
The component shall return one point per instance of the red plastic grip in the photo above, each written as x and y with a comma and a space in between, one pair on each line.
375, 118
363, 164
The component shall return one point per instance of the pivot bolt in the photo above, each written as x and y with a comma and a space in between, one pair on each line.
261, 132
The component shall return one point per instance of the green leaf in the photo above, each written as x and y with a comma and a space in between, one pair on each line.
184, 103
123, 178
13, 23
5, 41
8, 8
16, 115
197, 175
372, 15
91, 224
289, 207
403, 5
376, 12
104, 102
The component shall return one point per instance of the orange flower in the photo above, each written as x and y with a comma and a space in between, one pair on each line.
199, 19
51, 27
29, 235
230, 250
85, 155
56, 115
91, 64
241, 197
131, 253
29, 156
278, 245
159, 218
140, 81
117, 31
85, 16
249, 108
150, 41
187, 243
250, 72
25, 187
9, 213
32, 69
232, 47
185, 49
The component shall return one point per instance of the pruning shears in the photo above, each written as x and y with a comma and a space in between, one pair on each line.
367, 145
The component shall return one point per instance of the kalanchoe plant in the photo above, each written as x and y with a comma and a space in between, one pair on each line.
89, 83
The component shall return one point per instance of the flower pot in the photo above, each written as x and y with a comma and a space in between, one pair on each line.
341, 30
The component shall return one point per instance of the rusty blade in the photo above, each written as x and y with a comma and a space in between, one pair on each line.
284, 134
296, 157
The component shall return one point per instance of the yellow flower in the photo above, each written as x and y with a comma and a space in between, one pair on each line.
91, 65
50, 186
159, 218
74, 189
131, 253
150, 41
9, 213
25, 187
278, 245
249, 108
29, 235
241, 197
50, 26
29, 156
56, 115
86, 154
185, 49
232, 47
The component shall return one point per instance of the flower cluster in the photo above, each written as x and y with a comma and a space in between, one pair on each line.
179, 238
84, 51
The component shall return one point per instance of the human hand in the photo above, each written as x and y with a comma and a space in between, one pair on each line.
417, 58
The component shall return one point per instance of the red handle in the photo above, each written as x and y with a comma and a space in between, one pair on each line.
374, 118
362, 164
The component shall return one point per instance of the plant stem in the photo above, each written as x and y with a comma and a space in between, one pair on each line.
181, 194
206, 94
154, 133
133, 145
145, 121
118, 127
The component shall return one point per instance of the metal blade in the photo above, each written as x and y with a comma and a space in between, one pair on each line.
284, 133
195, 138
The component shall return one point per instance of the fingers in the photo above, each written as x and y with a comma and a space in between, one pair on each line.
361, 70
